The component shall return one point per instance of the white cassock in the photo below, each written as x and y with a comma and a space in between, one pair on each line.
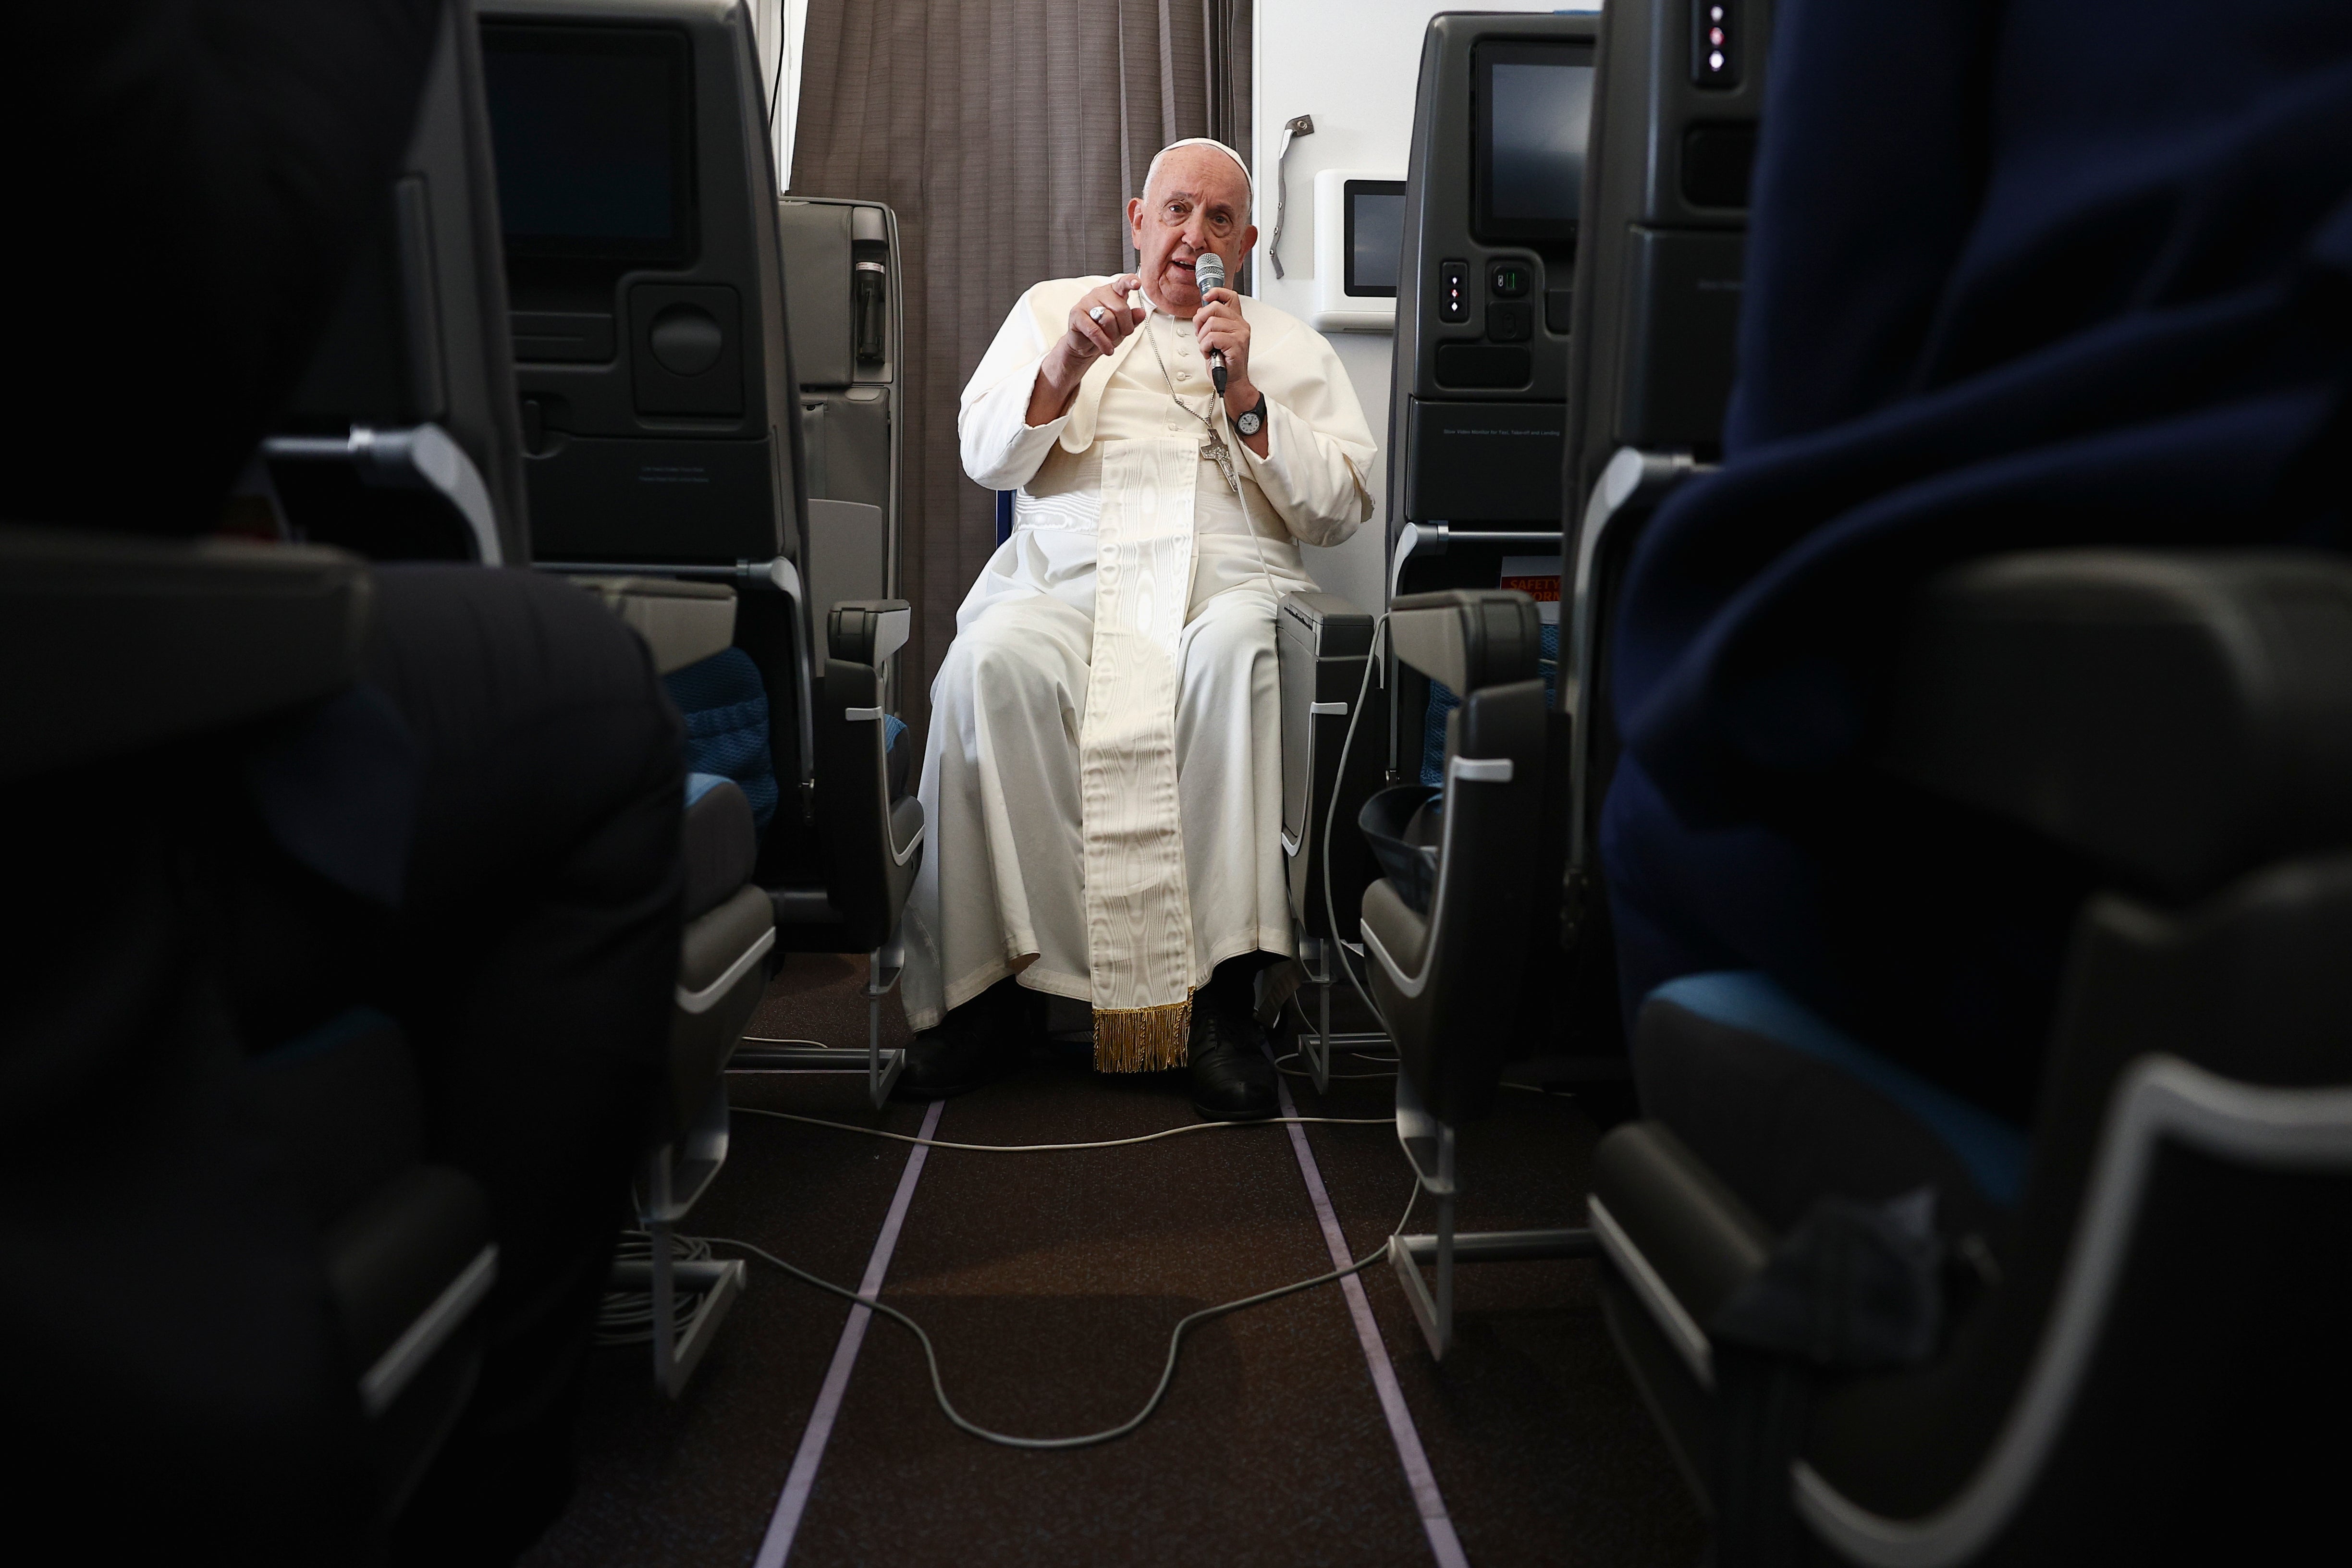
1105, 798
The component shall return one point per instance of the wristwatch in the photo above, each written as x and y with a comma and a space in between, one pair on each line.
1253, 418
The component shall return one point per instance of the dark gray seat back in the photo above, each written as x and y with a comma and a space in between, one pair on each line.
638, 201
841, 299
638, 197
841, 293
1489, 247
1665, 232
404, 438
1649, 367
1489, 251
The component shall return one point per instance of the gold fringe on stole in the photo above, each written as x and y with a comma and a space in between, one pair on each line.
1143, 1039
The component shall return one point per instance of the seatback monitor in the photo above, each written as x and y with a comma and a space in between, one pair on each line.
1532, 104
594, 142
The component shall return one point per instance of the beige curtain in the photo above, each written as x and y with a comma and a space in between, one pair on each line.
1007, 134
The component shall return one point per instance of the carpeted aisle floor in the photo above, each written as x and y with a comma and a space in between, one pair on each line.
1050, 1281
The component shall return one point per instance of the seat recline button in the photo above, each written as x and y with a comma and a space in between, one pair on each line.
686, 340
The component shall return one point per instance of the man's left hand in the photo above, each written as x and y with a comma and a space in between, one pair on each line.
1218, 324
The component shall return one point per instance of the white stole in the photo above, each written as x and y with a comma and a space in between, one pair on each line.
1138, 912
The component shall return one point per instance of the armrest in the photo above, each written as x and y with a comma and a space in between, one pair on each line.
2177, 718
1333, 627
1468, 638
1683, 1241
868, 631
114, 644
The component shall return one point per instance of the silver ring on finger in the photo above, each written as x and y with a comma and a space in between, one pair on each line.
1096, 314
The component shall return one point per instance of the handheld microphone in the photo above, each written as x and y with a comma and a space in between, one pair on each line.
1209, 272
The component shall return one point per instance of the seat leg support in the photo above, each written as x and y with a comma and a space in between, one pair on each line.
881, 1067
676, 1352
883, 966
1316, 1042
1504, 1245
1428, 1146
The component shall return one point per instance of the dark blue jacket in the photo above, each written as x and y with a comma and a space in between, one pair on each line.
2048, 273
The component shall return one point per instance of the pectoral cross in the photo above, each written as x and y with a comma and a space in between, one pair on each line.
1215, 449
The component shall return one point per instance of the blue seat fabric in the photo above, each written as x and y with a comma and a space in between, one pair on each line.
725, 706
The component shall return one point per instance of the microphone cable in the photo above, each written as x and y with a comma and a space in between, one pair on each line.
1167, 1372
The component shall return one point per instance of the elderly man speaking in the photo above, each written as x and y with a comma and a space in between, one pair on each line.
1103, 771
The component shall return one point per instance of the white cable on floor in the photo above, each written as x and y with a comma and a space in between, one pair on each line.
1175, 1339
1050, 1148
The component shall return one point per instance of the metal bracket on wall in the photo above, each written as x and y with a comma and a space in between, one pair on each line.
1299, 125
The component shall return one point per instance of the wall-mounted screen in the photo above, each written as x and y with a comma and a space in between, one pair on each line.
594, 140
1375, 237
1531, 116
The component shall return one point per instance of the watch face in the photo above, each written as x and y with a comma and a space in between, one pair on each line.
1248, 423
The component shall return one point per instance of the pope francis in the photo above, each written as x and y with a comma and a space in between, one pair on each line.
1103, 777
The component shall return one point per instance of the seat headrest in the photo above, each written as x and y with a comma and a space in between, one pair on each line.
682, 622
114, 643
1468, 638
2177, 717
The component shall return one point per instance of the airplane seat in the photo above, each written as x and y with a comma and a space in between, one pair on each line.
172, 658
1639, 256
2044, 1343
403, 440
1491, 241
842, 303
665, 430
1490, 246
1446, 935
1443, 972
1660, 194
730, 928
1658, 285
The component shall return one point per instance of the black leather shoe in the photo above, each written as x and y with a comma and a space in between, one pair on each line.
947, 1061
975, 1044
1232, 1079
